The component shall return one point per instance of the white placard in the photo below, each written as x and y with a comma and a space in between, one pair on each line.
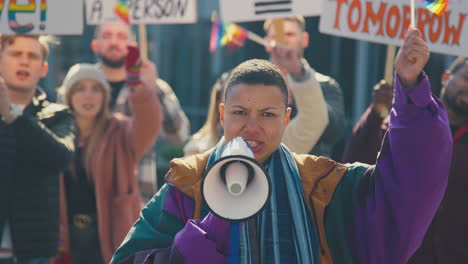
57, 17
257, 10
143, 11
386, 22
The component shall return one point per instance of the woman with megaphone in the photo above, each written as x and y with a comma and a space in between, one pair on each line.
318, 211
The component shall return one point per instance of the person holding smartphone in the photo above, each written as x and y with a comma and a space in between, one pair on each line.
100, 194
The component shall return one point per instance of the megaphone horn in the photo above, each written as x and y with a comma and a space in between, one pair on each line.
236, 174
236, 187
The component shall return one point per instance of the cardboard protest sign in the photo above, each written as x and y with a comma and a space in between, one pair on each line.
386, 22
58, 17
143, 11
256, 10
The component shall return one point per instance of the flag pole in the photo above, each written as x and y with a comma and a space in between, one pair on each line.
412, 13
143, 41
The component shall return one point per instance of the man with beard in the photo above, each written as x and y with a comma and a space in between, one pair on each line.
446, 240
110, 45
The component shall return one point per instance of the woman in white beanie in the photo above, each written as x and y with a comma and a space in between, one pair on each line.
99, 193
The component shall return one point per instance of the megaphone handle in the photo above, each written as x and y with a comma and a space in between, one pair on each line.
234, 244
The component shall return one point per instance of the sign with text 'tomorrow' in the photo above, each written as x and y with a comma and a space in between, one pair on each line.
386, 22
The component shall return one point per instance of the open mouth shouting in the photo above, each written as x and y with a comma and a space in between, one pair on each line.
255, 145
22, 74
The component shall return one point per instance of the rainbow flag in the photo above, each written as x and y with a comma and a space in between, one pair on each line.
121, 9
436, 6
226, 34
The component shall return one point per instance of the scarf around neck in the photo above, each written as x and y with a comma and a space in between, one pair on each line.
286, 232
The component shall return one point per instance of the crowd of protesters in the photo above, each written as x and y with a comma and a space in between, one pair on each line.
75, 174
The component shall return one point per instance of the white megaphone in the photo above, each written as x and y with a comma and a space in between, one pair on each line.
236, 187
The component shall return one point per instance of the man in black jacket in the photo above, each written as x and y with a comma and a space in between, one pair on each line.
36, 143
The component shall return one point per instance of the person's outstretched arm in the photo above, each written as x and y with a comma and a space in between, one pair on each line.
397, 199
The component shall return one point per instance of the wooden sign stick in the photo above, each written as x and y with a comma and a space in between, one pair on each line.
389, 62
143, 41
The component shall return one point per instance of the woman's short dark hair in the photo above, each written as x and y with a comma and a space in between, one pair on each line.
257, 72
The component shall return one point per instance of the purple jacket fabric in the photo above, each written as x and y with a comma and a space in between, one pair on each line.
446, 240
398, 198
414, 153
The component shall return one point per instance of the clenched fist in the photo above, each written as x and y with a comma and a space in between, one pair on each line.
411, 58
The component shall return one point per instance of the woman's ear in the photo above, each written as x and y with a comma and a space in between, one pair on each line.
445, 77
94, 46
221, 114
288, 115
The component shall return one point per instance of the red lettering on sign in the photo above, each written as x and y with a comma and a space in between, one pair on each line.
355, 6
423, 19
436, 28
449, 30
338, 12
406, 21
374, 17
394, 13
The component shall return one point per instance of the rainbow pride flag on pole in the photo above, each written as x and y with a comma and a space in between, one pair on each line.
121, 9
226, 34
437, 7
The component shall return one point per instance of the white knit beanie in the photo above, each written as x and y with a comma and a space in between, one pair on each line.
82, 71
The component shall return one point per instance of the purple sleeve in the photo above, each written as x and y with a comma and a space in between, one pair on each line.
408, 182
198, 241
204, 241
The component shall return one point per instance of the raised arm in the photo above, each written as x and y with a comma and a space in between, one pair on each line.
304, 130
146, 118
407, 185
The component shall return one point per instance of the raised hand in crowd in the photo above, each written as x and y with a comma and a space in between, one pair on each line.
4, 99
411, 58
149, 74
286, 58
382, 95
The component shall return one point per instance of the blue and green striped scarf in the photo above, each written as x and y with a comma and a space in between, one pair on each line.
286, 230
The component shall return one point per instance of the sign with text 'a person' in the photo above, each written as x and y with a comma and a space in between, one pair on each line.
386, 22
257, 10
57, 17
143, 11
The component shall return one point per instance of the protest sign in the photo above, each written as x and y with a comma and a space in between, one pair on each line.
143, 11
257, 10
58, 17
386, 22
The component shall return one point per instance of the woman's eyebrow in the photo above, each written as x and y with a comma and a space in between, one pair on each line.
240, 106
269, 108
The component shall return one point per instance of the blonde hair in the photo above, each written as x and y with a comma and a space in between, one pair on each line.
101, 123
300, 21
210, 128
44, 40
